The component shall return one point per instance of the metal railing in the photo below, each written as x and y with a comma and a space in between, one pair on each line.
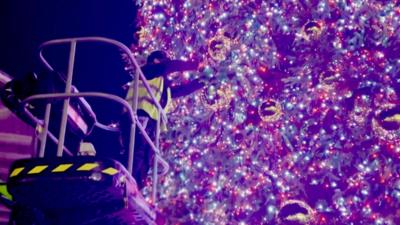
132, 109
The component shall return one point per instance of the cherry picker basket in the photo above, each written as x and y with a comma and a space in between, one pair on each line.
82, 189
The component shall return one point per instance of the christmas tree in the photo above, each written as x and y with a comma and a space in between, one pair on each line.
299, 121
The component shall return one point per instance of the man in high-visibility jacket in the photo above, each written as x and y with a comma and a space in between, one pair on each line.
157, 68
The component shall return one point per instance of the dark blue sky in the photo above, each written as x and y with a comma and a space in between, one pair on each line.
24, 24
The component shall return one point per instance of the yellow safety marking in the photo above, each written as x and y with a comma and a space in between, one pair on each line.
88, 166
110, 171
4, 192
16, 171
37, 169
61, 168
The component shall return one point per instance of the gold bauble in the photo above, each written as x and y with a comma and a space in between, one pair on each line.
386, 122
219, 47
312, 30
295, 212
270, 110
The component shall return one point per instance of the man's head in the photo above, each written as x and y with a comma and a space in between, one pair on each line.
157, 57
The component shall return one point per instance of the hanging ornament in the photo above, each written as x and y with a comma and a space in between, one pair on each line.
312, 30
386, 122
218, 47
270, 110
295, 212
217, 98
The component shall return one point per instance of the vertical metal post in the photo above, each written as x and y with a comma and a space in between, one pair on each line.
131, 146
155, 167
63, 125
43, 134
35, 145
135, 96
133, 125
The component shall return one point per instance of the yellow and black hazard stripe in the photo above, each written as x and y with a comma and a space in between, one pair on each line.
62, 168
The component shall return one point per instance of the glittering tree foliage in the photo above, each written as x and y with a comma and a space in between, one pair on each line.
301, 104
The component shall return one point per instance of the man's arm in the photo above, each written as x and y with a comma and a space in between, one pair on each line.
186, 89
166, 67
